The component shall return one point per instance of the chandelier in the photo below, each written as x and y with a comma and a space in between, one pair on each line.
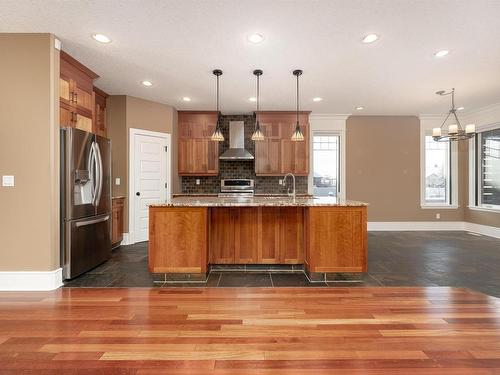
455, 130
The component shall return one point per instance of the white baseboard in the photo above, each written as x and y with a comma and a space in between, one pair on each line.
126, 239
30, 280
485, 230
415, 225
433, 226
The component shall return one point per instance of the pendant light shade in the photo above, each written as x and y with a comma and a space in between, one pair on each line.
257, 133
297, 134
217, 135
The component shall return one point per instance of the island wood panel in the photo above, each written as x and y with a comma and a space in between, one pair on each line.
264, 331
336, 239
222, 235
246, 228
291, 245
269, 236
178, 239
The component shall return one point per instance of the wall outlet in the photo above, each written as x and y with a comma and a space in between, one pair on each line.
8, 181
280, 181
197, 181
118, 181
438, 216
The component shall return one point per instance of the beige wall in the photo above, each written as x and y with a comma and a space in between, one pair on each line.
125, 113
29, 150
383, 168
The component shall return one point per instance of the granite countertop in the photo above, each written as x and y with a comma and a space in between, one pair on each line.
256, 201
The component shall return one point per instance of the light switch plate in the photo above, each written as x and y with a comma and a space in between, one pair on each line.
280, 181
197, 181
118, 181
7, 180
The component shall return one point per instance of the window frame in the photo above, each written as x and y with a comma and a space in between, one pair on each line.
341, 193
453, 180
474, 172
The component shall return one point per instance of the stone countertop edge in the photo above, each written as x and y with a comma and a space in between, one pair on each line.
205, 201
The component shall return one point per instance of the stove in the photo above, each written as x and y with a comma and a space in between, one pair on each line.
236, 188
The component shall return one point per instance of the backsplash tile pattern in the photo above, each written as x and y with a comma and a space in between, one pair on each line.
239, 169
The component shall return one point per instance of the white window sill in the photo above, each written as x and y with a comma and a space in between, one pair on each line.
439, 207
484, 209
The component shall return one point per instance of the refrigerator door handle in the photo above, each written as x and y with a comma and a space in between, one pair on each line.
91, 168
99, 168
95, 176
90, 222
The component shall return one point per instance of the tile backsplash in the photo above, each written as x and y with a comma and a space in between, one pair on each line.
240, 168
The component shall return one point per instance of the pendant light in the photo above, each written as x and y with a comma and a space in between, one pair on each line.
217, 134
257, 133
456, 132
297, 135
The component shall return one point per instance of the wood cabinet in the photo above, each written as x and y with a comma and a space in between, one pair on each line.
281, 235
76, 93
336, 239
178, 239
233, 235
277, 154
324, 238
198, 155
117, 207
250, 235
100, 126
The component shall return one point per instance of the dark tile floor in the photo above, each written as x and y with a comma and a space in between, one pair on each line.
395, 259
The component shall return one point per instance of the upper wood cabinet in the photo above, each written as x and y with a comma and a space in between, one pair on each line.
198, 155
76, 93
277, 154
100, 126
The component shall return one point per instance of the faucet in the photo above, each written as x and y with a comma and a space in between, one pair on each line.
291, 194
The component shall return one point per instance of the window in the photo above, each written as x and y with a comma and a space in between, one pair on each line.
437, 173
326, 161
488, 169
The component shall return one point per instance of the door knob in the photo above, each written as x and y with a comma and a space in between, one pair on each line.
138, 193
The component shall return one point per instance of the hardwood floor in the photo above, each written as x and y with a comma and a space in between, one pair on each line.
275, 331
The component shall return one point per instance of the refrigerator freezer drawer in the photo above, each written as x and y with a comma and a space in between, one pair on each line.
87, 244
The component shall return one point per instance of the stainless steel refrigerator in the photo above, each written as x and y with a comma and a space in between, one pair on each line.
85, 201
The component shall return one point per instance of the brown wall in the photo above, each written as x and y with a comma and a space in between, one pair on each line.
383, 168
125, 113
29, 150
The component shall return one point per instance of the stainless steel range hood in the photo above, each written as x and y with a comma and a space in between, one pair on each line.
236, 149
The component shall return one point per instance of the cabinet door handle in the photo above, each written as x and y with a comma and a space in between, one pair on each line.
76, 98
71, 97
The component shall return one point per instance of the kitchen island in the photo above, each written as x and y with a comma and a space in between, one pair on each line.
189, 234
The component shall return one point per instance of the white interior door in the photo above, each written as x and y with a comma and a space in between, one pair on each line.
150, 179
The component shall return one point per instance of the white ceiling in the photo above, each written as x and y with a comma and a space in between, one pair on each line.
177, 43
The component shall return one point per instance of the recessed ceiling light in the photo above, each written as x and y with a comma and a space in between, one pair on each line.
186, 98
317, 99
101, 38
147, 83
441, 53
370, 38
255, 38
359, 108
252, 99
460, 108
